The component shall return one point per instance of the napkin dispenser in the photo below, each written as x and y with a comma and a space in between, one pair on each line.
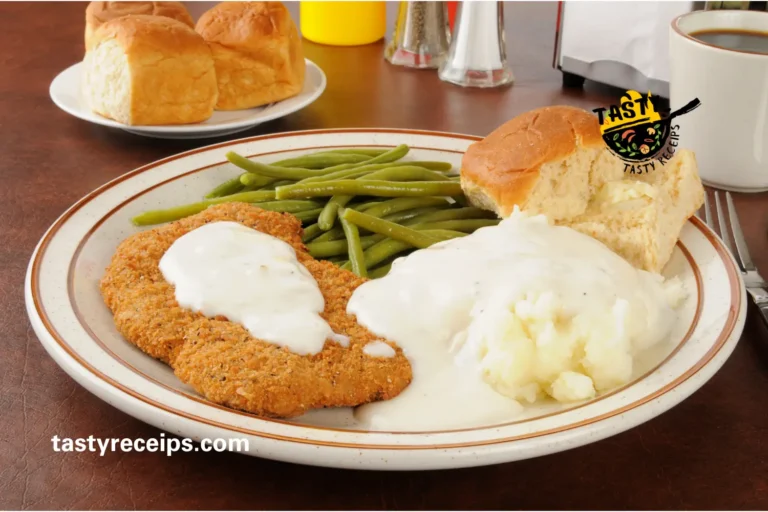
624, 44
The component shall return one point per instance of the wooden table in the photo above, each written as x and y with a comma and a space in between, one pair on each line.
711, 451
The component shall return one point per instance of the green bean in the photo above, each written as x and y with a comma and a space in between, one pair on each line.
331, 171
384, 250
328, 216
389, 247
405, 173
356, 151
401, 217
380, 271
308, 215
400, 204
289, 206
425, 164
340, 167
250, 179
392, 155
228, 187
349, 171
160, 216
310, 233
179, 212
368, 240
272, 171
469, 212
433, 166
447, 234
338, 260
365, 203
372, 188
355, 170
355, 250
256, 196
337, 247
352, 173
276, 184
332, 234
465, 225
321, 161
390, 229
251, 188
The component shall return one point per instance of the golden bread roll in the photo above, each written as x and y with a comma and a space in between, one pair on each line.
553, 161
149, 70
549, 160
98, 13
257, 51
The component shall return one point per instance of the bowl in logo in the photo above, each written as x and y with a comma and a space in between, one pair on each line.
644, 139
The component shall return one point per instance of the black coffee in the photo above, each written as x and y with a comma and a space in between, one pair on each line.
742, 40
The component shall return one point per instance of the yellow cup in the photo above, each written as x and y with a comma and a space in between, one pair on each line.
343, 23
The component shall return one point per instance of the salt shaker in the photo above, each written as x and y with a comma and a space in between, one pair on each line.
421, 36
478, 53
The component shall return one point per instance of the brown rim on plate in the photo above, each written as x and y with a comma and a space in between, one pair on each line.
199, 399
735, 307
675, 24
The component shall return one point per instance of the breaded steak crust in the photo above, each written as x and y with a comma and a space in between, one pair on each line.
220, 359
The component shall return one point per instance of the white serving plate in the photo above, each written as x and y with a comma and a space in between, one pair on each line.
76, 328
65, 93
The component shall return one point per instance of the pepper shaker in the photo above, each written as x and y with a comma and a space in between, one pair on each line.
478, 52
421, 36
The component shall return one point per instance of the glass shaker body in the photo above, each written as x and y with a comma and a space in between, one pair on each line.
478, 52
421, 35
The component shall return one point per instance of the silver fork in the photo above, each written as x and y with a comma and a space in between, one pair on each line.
732, 236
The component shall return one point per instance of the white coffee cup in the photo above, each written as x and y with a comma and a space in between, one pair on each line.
729, 131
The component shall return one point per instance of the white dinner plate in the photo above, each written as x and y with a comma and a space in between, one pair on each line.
65, 93
74, 325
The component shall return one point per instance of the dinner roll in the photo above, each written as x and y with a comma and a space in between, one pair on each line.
549, 160
640, 217
98, 13
149, 70
553, 161
257, 51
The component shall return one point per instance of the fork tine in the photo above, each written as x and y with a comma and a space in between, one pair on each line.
708, 211
738, 236
725, 232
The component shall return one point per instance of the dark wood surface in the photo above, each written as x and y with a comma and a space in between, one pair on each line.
711, 451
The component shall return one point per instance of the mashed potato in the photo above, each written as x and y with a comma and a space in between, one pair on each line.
536, 345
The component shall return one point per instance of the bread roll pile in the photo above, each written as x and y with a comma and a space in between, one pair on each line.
147, 64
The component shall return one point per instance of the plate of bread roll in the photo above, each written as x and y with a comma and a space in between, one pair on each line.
150, 70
